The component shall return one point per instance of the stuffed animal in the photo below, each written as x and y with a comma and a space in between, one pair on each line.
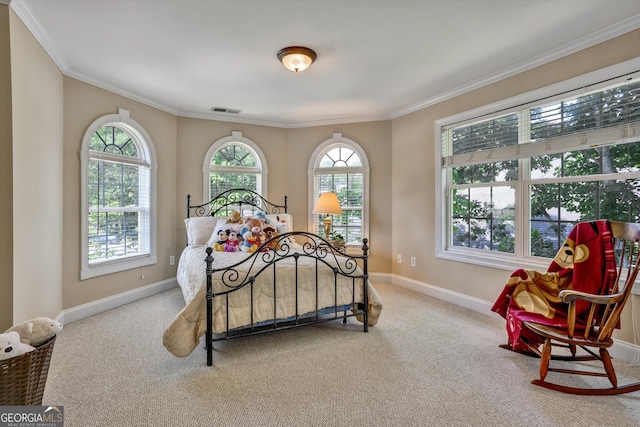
262, 217
11, 346
37, 330
223, 236
234, 218
251, 240
231, 245
249, 223
271, 233
262, 238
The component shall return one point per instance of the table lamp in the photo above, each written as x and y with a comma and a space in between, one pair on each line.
328, 204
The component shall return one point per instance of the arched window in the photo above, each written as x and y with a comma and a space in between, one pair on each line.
118, 196
234, 162
340, 165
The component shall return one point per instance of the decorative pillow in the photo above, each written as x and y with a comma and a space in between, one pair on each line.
221, 225
199, 229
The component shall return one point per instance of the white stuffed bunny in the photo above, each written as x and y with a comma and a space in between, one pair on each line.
11, 346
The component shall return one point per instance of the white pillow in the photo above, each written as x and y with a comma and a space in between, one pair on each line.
221, 225
199, 229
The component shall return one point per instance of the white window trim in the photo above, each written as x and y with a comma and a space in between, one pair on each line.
314, 161
227, 140
495, 259
122, 119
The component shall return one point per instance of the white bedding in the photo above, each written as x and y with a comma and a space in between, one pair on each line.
184, 332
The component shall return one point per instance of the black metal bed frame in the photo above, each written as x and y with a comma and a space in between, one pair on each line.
270, 254
235, 199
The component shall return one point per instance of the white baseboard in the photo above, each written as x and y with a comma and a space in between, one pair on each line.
622, 350
104, 304
447, 295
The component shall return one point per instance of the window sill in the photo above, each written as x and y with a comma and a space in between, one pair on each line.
110, 267
494, 260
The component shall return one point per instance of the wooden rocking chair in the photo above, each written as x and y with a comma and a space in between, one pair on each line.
603, 318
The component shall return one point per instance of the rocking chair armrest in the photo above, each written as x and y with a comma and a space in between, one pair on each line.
571, 295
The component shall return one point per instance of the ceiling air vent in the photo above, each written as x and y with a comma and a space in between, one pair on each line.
225, 110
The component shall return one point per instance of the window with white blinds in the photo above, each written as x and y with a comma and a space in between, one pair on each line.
118, 215
516, 180
341, 166
594, 116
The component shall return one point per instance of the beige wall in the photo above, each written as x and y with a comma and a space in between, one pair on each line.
288, 152
196, 136
84, 103
37, 177
6, 174
181, 144
414, 133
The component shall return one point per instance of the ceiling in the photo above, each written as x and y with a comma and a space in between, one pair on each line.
377, 59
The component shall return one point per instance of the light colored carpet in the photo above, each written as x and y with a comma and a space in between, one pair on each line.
426, 363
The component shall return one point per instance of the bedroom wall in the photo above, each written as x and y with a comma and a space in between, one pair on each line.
83, 103
375, 140
288, 152
196, 136
37, 87
414, 134
6, 174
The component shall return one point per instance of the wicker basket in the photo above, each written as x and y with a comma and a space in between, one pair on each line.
22, 378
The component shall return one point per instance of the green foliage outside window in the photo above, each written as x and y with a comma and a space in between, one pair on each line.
483, 216
234, 166
114, 195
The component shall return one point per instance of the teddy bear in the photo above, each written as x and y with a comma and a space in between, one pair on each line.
271, 233
249, 223
262, 238
11, 346
37, 330
231, 245
234, 218
223, 236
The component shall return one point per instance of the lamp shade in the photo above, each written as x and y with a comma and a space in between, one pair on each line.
296, 58
328, 204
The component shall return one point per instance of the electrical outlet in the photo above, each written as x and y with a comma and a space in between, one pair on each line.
413, 261
399, 259
172, 260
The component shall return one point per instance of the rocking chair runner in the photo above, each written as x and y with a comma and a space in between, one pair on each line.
603, 317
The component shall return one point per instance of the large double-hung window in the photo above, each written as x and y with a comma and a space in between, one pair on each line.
118, 183
515, 181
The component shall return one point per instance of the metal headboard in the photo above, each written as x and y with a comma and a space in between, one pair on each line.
245, 201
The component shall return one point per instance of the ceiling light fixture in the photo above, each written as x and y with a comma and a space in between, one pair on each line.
297, 58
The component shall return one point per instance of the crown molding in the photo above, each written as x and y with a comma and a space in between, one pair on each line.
601, 36
24, 13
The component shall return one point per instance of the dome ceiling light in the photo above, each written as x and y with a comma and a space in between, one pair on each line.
296, 58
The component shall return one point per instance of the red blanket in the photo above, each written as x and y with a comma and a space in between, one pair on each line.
584, 263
